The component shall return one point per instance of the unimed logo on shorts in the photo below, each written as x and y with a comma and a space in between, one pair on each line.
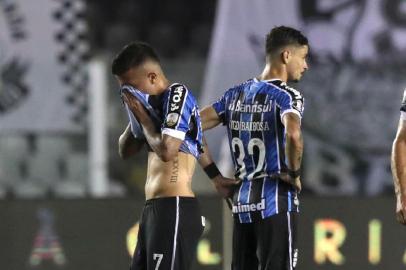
250, 207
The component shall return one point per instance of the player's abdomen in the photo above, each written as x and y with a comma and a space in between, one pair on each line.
168, 179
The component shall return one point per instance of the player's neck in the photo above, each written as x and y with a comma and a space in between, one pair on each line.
271, 72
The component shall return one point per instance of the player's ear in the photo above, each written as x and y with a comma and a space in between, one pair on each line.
285, 56
152, 77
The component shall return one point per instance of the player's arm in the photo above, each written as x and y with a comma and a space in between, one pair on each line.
398, 162
128, 145
293, 147
224, 186
165, 146
209, 118
214, 114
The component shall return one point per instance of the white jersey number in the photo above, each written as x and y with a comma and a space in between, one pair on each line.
255, 142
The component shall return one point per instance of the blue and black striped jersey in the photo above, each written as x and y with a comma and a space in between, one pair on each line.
252, 113
182, 118
175, 113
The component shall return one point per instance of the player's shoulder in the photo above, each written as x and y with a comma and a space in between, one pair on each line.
178, 92
283, 86
178, 88
178, 95
239, 87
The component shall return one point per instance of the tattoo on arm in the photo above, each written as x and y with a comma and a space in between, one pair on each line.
175, 170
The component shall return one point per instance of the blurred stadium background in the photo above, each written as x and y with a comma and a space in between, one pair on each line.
67, 201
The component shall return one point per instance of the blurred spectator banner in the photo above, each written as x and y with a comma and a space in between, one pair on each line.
353, 89
43, 77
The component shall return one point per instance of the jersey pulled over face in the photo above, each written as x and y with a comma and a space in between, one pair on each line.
175, 112
252, 113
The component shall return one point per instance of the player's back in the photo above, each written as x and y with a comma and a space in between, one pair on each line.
252, 113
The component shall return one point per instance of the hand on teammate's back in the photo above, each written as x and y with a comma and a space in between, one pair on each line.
225, 186
295, 182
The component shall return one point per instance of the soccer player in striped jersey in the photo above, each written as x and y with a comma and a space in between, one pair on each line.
399, 164
166, 118
263, 117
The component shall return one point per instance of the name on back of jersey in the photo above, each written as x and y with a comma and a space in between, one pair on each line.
248, 126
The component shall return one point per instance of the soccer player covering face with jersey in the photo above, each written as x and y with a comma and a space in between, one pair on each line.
166, 118
262, 117
399, 165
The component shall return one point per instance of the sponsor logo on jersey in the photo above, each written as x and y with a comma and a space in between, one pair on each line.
250, 207
250, 108
249, 126
176, 99
172, 119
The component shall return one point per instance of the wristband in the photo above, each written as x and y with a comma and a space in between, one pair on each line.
293, 173
211, 170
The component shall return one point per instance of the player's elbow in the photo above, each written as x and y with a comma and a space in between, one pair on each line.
294, 136
169, 148
123, 149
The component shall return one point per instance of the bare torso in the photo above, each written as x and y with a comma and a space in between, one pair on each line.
172, 178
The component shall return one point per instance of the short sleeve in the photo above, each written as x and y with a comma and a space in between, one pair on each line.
178, 111
220, 106
291, 101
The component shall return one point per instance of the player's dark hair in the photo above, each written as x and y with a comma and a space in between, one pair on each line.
132, 55
282, 36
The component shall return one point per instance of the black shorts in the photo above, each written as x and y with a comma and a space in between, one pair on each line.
170, 229
269, 244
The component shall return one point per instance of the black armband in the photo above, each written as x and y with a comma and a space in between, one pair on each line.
211, 170
293, 173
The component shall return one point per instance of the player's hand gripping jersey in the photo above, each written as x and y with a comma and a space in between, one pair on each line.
252, 113
174, 113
